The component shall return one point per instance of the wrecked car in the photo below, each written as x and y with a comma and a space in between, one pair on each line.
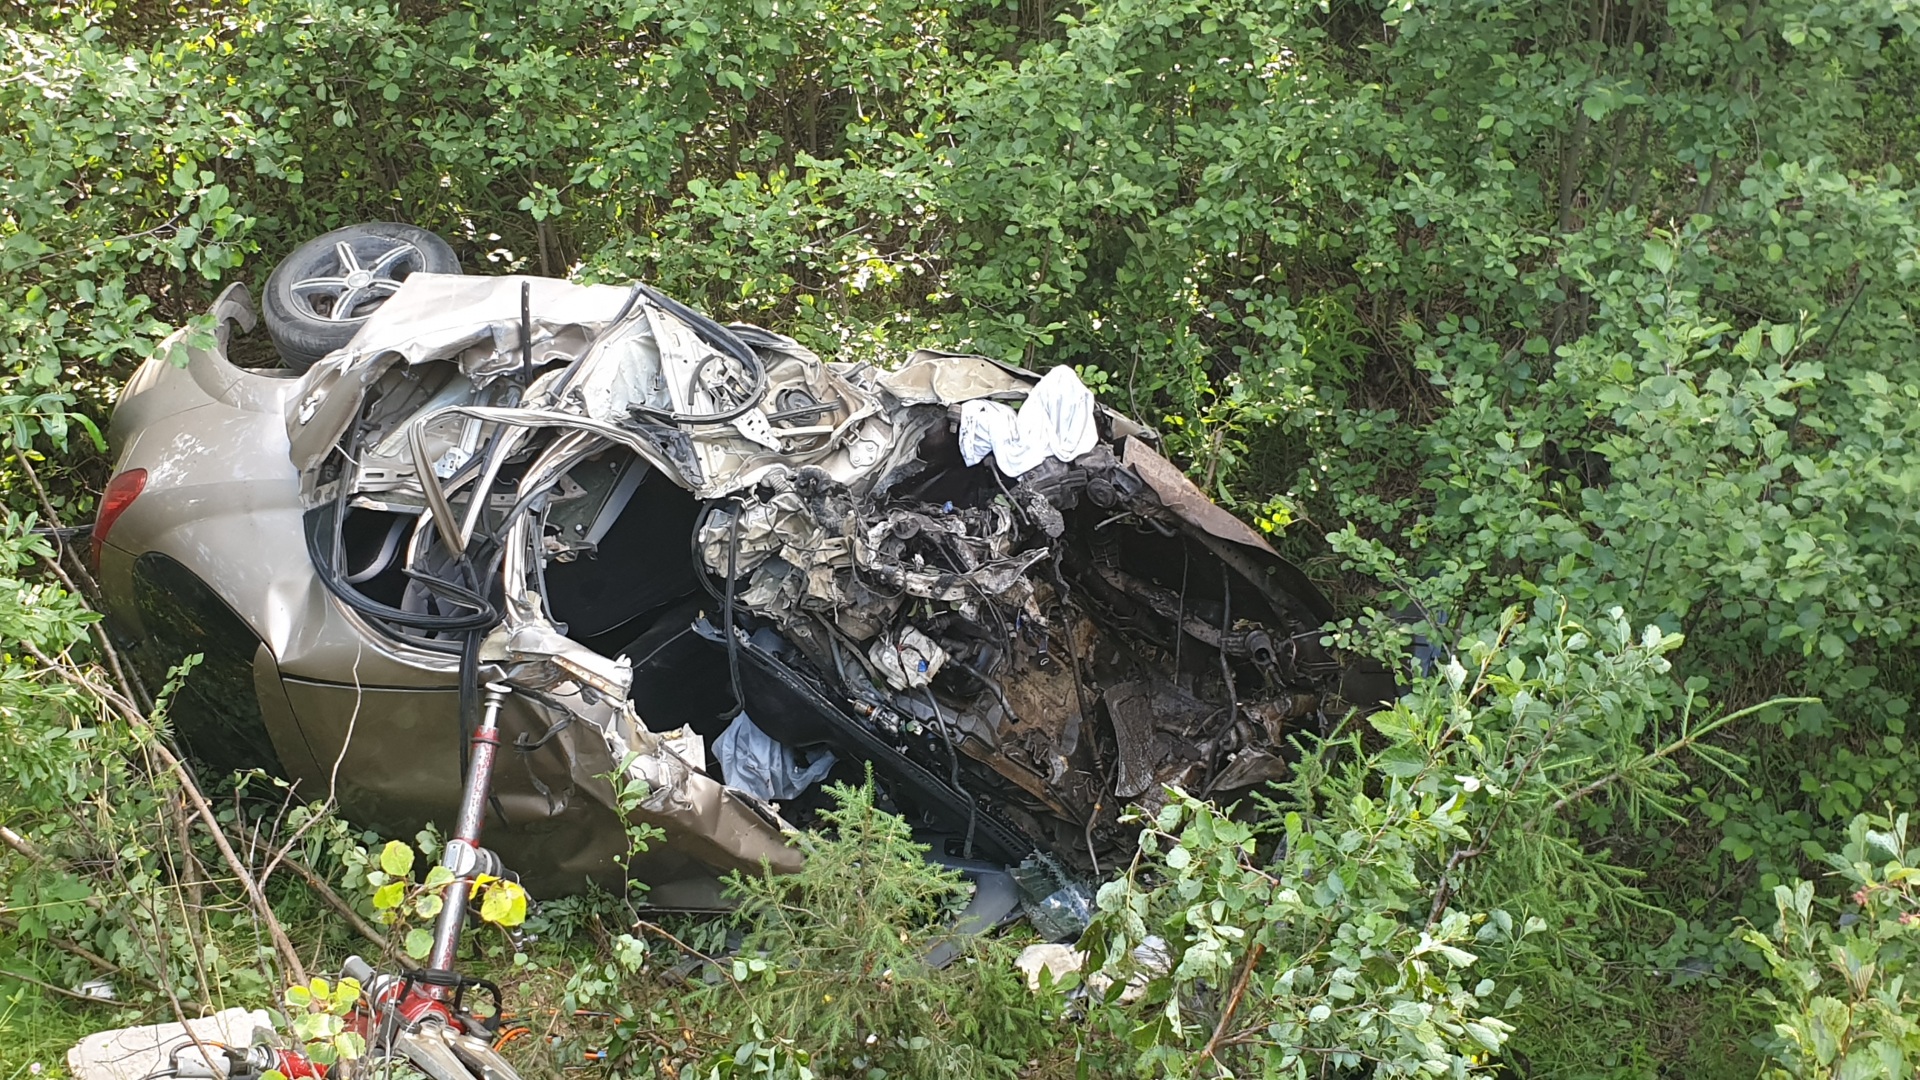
700, 556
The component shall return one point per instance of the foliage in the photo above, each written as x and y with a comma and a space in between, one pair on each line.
320, 1012
630, 794
397, 900
100, 875
1461, 301
1300, 965
1343, 928
1844, 1004
822, 979
842, 971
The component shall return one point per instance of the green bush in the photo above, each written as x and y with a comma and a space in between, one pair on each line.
1844, 1006
1396, 911
1465, 300
834, 962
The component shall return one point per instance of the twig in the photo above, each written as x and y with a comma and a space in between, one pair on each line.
27, 850
21, 845
1672, 748
296, 971
173, 809
286, 849
87, 588
74, 994
172, 996
642, 924
339, 904
1443, 889
196, 874
1233, 1005
106, 966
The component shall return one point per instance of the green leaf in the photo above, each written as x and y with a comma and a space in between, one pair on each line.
419, 943
1401, 761
396, 859
389, 895
1484, 1035
348, 1045
1781, 338
1827, 1025
505, 904
1657, 255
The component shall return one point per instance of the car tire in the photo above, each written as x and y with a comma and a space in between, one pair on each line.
316, 299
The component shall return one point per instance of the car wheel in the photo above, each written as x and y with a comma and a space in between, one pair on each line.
318, 296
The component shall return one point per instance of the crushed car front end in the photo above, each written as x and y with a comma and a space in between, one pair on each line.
711, 562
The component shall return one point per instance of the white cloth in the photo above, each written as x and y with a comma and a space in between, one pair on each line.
1056, 421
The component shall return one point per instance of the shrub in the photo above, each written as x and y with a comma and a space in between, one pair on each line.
835, 960
1845, 1006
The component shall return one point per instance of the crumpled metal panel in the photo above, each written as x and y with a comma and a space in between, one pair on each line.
996, 630
475, 320
930, 377
1191, 505
1178, 494
811, 415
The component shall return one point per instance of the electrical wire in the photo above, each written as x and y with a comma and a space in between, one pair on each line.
953, 771
726, 617
699, 559
726, 598
723, 341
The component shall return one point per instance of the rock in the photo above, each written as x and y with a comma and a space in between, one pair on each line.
136, 1052
1150, 959
1057, 960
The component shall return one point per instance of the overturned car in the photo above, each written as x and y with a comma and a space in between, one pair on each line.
701, 557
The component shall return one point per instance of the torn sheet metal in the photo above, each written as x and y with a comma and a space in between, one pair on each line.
472, 321
658, 508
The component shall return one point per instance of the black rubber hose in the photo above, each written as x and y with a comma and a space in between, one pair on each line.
953, 771
329, 567
726, 625
723, 341
726, 598
326, 568
700, 570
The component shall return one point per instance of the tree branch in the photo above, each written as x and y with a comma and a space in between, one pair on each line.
296, 971
339, 904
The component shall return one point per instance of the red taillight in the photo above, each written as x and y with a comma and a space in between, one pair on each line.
120, 493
